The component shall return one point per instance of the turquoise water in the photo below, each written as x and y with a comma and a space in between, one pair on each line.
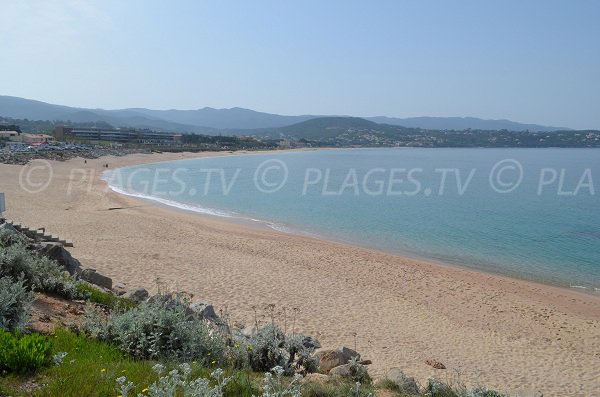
535, 215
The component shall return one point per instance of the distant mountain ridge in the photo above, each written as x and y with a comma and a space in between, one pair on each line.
235, 120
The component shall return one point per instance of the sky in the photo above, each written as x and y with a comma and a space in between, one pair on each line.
535, 61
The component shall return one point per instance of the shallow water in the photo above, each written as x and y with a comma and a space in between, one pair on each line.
530, 213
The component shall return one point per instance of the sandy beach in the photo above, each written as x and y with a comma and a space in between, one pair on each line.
507, 334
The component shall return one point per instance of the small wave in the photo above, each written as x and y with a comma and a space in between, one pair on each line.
176, 204
578, 287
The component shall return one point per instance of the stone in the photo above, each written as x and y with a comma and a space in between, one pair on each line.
329, 359
344, 371
57, 252
119, 289
93, 277
137, 295
435, 363
315, 378
438, 388
310, 343
348, 353
406, 384
204, 310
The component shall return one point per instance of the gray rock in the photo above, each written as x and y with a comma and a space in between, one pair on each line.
91, 276
438, 388
137, 295
119, 289
204, 310
57, 252
405, 384
311, 343
348, 353
344, 371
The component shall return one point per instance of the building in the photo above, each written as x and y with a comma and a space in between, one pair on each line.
116, 135
27, 139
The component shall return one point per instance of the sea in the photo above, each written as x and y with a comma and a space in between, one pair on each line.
533, 214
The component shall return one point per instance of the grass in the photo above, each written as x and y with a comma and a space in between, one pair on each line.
104, 298
91, 368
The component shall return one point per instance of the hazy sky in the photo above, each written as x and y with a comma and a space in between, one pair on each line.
529, 61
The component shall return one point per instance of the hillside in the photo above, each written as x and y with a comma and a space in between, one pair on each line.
214, 121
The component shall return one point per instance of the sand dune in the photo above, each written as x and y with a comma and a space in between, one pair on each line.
508, 334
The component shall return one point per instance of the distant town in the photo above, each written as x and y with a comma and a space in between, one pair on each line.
23, 139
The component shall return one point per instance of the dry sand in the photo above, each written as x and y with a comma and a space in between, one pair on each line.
509, 334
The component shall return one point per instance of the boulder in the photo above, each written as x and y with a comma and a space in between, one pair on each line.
204, 310
436, 387
344, 371
406, 385
91, 276
137, 295
329, 359
349, 353
315, 378
119, 289
57, 252
310, 343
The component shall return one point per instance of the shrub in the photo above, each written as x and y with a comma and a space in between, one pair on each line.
25, 353
276, 386
176, 383
15, 304
39, 273
266, 349
162, 328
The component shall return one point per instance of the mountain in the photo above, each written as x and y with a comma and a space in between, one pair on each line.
234, 120
461, 123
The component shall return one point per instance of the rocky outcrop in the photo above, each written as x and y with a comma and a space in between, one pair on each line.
204, 310
93, 277
137, 295
58, 252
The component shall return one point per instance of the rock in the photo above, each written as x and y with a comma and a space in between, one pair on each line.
137, 295
348, 353
315, 378
204, 310
344, 371
435, 363
310, 343
438, 388
57, 252
119, 289
91, 276
329, 359
365, 362
405, 384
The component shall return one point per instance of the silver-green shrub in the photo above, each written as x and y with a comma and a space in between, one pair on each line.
178, 383
15, 304
39, 273
275, 385
157, 329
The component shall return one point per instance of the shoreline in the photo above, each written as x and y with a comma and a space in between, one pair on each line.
516, 335
270, 225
